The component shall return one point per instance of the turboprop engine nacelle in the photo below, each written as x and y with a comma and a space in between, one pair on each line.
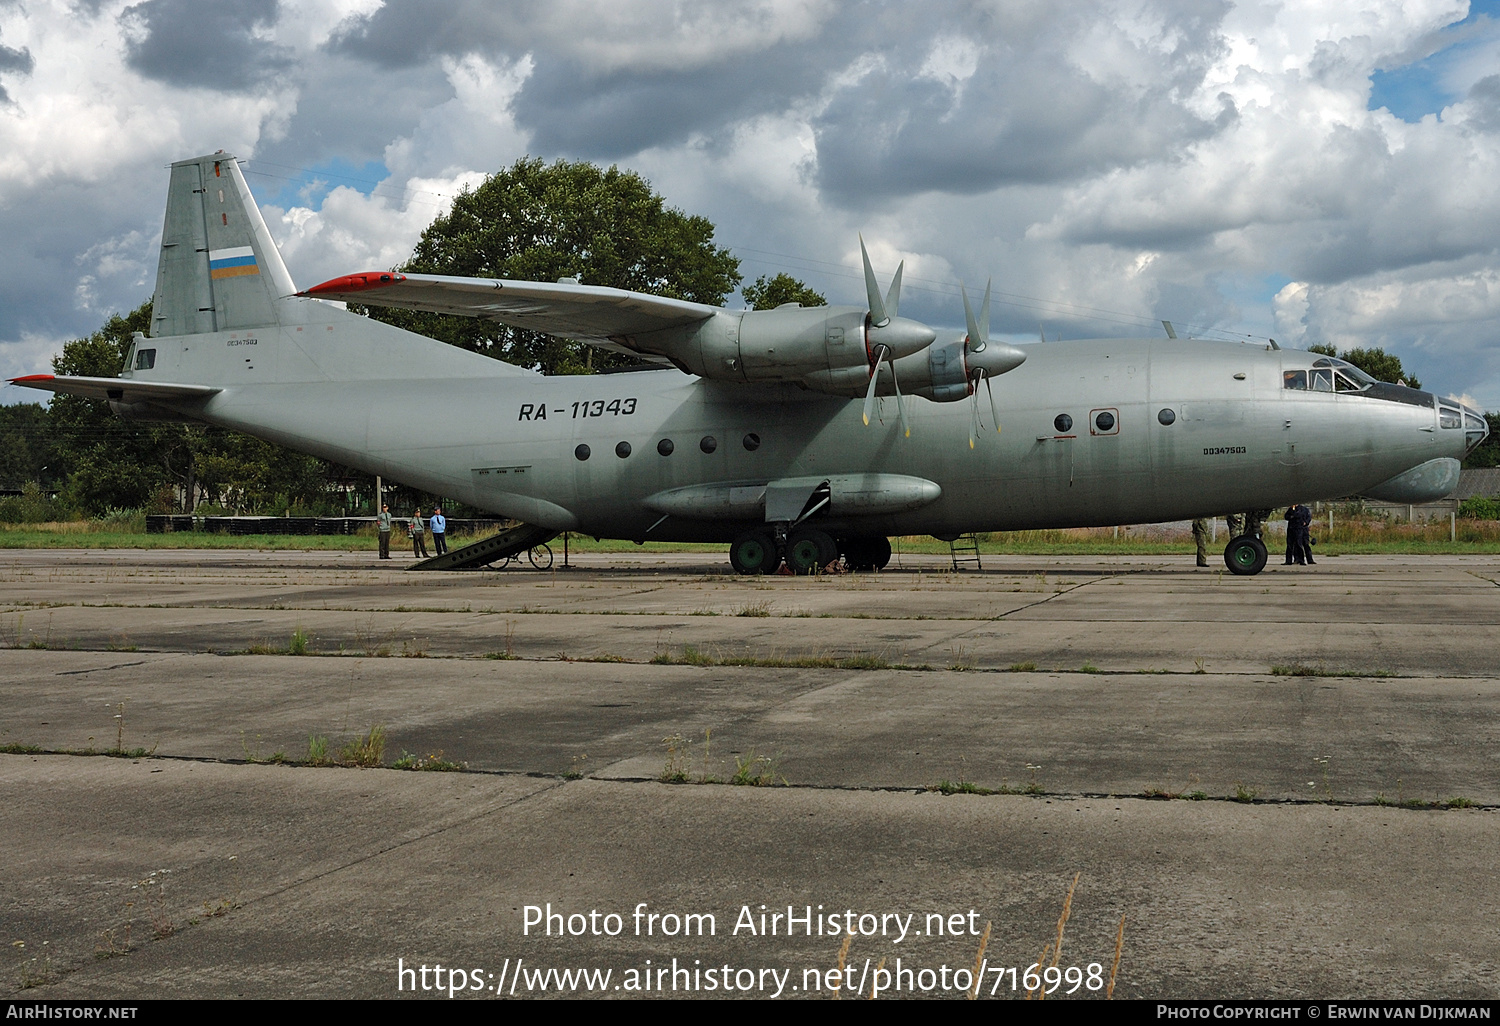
825, 348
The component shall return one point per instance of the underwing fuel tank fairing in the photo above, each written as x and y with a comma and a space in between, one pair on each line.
796, 434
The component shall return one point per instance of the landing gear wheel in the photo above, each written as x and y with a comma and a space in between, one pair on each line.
865, 554
808, 552
1245, 555
754, 553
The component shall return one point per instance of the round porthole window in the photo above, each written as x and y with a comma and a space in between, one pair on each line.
582, 452
622, 450
1166, 417
1063, 423
1104, 421
709, 443
665, 447
752, 441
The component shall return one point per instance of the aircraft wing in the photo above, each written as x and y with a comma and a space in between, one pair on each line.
588, 313
118, 389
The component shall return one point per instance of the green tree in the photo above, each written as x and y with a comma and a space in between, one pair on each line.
540, 222
108, 462
767, 294
1379, 364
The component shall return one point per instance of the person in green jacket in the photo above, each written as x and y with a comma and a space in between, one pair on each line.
383, 529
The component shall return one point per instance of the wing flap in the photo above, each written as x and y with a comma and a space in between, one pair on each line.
118, 389
587, 313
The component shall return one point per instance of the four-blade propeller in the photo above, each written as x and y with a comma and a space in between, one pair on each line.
889, 336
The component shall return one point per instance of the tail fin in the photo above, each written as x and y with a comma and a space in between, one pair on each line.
219, 269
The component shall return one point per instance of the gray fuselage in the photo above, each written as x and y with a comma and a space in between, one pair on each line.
508, 441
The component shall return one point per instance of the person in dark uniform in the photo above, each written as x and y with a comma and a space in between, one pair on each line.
1298, 535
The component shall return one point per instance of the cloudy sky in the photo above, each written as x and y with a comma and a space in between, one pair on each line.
1314, 171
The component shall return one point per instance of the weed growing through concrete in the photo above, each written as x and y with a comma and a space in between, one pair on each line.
317, 751
751, 770
1022, 667
1244, 794
977, 972
1089, 667
754, 609
675, 769
366, 751
961, 658
690, 655
576, 771
433, 762
297, 646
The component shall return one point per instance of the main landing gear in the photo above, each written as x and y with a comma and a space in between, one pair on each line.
1245, 555
806, 551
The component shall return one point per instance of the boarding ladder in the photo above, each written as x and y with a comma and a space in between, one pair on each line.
965, 549
507, 543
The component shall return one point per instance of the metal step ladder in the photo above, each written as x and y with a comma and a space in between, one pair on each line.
507, 543
965, 549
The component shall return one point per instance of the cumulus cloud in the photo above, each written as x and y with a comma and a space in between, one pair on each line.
1110, 163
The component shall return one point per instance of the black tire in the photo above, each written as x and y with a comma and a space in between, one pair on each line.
863, 555
1245, 556
540, 557
754, 553
808, 552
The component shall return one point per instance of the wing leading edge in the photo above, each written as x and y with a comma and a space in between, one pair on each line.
587, 313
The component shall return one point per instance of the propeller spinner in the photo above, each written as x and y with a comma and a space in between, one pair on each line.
888, 336
984, 359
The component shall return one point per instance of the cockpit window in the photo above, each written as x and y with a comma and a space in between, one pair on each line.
1321, 379
1449, 416
1357, 379
1294, 379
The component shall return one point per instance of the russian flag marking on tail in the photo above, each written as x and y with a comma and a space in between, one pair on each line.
232, 263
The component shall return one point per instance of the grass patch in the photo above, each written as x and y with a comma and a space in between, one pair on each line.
751, 770
690, 655
297, 645
961, 787
1244, 794
367, 751
1320, 670
16, 749
1022, 667
754, 609
1460, 803
317, 751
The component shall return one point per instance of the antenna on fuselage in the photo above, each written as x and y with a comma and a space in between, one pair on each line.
1171, 331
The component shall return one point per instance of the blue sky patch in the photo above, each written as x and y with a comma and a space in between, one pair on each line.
1424, 87
286, 187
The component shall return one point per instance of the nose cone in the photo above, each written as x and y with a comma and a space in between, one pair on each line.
902, 336
995, 358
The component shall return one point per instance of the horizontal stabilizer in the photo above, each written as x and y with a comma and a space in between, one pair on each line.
587, 313
117, 389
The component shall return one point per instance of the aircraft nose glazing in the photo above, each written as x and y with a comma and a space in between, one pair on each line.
1476, 428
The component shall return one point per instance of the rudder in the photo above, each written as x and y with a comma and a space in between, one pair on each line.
219, 269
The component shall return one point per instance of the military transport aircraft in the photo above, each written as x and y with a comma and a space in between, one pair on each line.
795, 434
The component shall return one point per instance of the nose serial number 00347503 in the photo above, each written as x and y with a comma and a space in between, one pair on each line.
580, 410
